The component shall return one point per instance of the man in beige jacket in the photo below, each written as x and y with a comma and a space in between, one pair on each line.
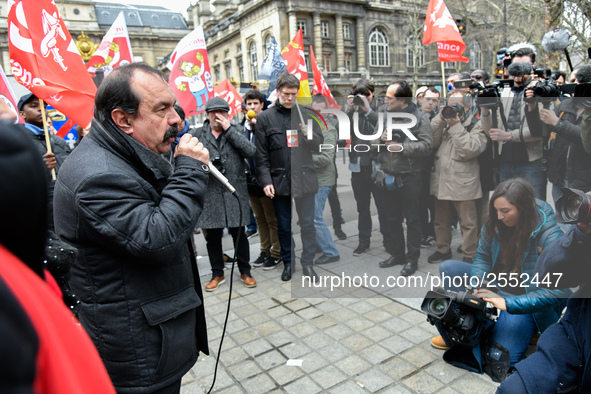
458, 140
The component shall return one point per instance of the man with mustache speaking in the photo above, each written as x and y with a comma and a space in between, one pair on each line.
131, 216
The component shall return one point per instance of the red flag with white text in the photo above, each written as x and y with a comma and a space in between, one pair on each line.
295, 62
441, 27
45, 60
320, 86
7, 94
190, 76
114, 50
228, 92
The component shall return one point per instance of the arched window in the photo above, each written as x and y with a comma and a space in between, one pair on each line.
475, 55
379, 55
268, 42
411, 45
254, 65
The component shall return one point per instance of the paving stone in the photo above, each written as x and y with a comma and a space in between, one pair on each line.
265, 304
318, 340
398, 389
343, 314
312, 362
222, 380
362, 307
444, 371
257, 347
297, 305
259, 384
396, 325
294, 350
356, 342
256, 319
374, 380
278, 311
424, 383
375, 354
246, 335
418, 357
335, 352
244, 370
268, 328
413, 317
352, 365
309, 313
447, 390
397, 368
328, 306
289, 320
349, 387
359, 323
270, 359
284, 374
471, 383
416, 335
230, 390
396, 344
339, 331
328, 377
303, 385
233, 356
377, 333
395, 308
377, 315
280, 338
324, 321
303, 329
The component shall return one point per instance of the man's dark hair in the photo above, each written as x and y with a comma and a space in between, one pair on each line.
403, 91
254, 94
525, 52
433, 90
179, 110
557, 74
287, 79
364, 87
318, 98
485, 75
584, 74
116, 91
466, 100
465, 76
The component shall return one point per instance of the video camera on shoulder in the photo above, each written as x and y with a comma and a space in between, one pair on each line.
582, 94
488, 96
461, 314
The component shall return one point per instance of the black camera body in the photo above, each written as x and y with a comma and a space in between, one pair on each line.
583, 95
450, 111
357, 100
398, 136
219, 163
461, 314
487, 96
574, 206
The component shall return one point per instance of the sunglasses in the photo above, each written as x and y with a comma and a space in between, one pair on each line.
477, 77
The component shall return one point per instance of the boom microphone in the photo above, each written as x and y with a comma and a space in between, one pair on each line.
222, 180
520, 69
555, 40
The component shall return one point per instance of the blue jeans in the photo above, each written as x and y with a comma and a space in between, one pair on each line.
513, 332
531, 172
323, 236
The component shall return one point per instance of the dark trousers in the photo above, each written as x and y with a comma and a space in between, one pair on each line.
395, 205
427, 206
213, 237
305, 210
363, 189
335, 208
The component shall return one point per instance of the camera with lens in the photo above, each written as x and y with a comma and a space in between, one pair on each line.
461, 314
450, 111
574, 206
582, 95
487, 96
219, 164
357, 100
398, 136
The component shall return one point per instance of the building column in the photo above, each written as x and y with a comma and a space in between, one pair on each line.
361, 45
293, 24
317, 40
340, 45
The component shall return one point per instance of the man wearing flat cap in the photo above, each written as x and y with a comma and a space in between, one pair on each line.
228, 147
29, 108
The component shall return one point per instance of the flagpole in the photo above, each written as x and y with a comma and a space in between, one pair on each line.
47, 141
444, 89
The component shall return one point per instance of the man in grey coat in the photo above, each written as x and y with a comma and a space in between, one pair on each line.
228, 147
131, 216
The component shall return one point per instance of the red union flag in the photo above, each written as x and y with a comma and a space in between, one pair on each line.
295, 62
228, 92
114, 50
320, 86
7, 94
190, 76
44, 59
441, 27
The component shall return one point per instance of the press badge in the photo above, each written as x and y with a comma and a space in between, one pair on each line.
292, 138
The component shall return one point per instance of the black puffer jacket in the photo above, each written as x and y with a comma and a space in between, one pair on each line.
135, 274
570, 165
291, 171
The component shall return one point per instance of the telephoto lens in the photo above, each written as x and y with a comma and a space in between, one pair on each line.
573, 207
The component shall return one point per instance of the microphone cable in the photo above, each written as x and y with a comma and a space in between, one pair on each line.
215, 370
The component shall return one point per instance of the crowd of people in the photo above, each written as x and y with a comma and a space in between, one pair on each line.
130, 195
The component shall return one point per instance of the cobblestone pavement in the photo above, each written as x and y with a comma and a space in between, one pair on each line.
362, 341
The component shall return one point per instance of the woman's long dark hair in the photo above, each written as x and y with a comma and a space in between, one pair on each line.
513, 239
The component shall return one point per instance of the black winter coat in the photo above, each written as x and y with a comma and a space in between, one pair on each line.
135, 275
291, 171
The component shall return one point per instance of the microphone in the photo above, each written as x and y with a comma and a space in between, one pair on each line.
222, 180
520, 69
555, 40
251, 114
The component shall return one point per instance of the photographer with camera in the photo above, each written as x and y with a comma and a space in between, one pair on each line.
519, 226
569, 164
400, 186
455, 181
561, 361
362, 102
519, 147
228, 147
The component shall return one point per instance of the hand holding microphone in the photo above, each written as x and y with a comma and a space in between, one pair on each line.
251, 117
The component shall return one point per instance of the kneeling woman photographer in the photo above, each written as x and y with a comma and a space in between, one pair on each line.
518, 227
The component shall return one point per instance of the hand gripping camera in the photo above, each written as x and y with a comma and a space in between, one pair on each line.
461, 314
